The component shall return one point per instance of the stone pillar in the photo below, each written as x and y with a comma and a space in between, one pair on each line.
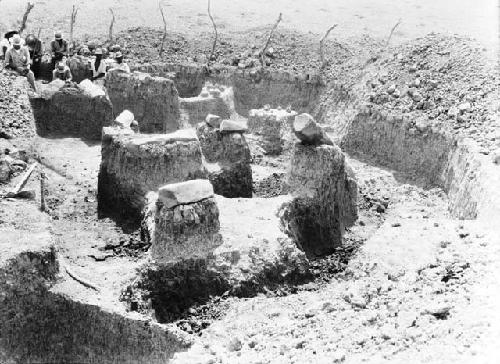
324, 193
227, 157
186, 222
274, 129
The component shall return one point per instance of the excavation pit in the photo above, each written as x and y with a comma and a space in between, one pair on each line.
140, 301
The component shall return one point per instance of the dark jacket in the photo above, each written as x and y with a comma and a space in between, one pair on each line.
36, 51
59, 50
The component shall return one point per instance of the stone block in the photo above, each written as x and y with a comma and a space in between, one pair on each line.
308, 131
232, 126
324, 199
153, 100
184, 193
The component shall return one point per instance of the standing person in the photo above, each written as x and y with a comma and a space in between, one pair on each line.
17, 58
120, 64
98, 65
59, 49
62, 72
35, 48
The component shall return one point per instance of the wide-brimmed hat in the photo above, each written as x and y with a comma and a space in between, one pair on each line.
98, 51
58, 35
16, 39
118, 55
61, 67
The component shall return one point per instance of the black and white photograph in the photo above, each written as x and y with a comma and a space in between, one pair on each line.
249, 182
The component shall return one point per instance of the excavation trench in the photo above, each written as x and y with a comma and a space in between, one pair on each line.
417, 153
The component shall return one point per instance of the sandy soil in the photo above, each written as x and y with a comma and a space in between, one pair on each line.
355, 17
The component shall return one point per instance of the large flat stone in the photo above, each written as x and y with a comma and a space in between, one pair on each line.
184, 193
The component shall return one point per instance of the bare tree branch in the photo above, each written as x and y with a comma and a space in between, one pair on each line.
322, 45
74, 12
263, 53
392, 31
29, 7
164, 29
110, 34
212, 53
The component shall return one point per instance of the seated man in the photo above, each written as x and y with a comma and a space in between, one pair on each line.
59, 49
98, 65
62, 72
17, 58
120, 65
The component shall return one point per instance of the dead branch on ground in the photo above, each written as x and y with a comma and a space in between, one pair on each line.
263, 53
164, 29
110, 34
74, 12
212, 53
392, 31
322, 45
29, 7
42, 191
73, 275
15, 191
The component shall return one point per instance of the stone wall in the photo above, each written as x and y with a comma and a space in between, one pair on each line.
72, 112
153, 100
228, 161
134, 164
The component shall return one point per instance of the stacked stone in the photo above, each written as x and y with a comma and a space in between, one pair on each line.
80, 111
323, 188
134, 164
274, 129
153, 100
227, 156
186, 222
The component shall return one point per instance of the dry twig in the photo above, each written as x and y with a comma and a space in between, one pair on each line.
392, 31
322, 45
29, 7
42, 191
263, 53
110, 34
212, 53
164, 29
74, 12
15, 191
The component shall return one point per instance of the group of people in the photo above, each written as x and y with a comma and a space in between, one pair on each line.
24, 56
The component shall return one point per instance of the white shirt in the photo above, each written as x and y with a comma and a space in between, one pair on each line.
101, 69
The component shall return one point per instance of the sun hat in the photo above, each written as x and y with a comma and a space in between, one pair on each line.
118, 55
16, 39
98, 51
61, 67
58, 35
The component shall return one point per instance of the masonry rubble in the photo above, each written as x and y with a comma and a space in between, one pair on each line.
186, 221
211, 100
274, 129
324, 192
227, 157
